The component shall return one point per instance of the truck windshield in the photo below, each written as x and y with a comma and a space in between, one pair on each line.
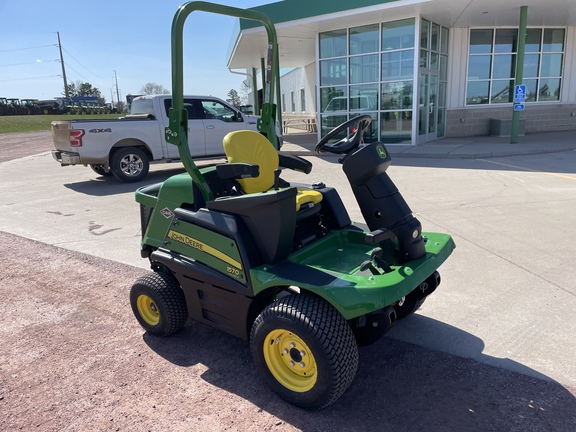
142, 106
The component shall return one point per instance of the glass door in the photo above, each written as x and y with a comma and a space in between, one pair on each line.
428, 107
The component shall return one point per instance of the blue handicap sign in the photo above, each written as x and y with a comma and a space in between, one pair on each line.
519, 107
520, 93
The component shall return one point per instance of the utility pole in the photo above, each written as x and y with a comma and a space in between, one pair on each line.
117, 92
62, 63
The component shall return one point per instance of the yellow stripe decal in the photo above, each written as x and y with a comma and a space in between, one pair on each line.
203, 247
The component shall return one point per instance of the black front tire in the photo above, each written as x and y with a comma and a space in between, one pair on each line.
159, 304
305, 349
129, 164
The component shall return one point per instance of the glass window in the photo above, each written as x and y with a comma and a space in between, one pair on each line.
479, 67
425, 34
396, 127
333, 72
481, 41
506, 40
302, 100
364, 69
292, 102
531, 89
549, 89
477, 92
333, 43
502, 91
533, 39
329, 122
424, 55
363, 98
553, 40
531, 62
444, 41
443, 68
364, 39
360, 65
551, 65
218, 111
435, 38
398, 34
504, 66
333, 99
397, 65
434, 58
492, 65
397, 95
442, 94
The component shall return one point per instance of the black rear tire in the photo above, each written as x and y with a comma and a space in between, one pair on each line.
129, 164
159, 304
305, 349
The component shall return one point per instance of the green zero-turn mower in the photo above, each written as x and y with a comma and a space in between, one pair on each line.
234, 246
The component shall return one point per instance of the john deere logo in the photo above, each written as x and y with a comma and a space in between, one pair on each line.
381, 152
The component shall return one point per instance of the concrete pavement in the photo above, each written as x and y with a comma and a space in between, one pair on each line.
458, 148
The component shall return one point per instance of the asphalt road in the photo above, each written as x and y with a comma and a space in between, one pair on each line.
507, 297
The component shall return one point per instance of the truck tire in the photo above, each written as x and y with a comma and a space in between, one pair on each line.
158, 304
305, 349
129, 164
99, 169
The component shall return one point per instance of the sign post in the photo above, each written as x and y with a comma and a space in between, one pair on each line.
519, 88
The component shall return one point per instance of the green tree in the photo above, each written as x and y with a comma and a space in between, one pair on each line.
79, 88
153, 89
234, 98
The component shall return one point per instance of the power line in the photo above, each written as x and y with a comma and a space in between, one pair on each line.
27, 48
68, 66
77, 61
27, 63
31, 78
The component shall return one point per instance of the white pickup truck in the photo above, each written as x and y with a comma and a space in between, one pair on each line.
125, 147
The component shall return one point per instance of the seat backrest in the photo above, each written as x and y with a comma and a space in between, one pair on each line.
248, 146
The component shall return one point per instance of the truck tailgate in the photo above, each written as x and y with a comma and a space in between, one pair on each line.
60, 135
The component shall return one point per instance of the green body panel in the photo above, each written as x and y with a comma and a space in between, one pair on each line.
215, 250
173, 192
336, 261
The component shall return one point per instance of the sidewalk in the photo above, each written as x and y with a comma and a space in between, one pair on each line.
456, 148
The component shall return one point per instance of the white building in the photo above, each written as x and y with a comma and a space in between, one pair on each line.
424, 69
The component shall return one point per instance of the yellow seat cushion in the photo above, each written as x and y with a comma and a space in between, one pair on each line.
307, 196
248, 146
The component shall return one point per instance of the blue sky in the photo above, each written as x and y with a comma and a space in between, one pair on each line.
131, 37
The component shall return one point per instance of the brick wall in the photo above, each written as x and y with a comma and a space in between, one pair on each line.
465, 122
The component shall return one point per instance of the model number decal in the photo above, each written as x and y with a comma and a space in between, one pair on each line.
100, 130
233, 271
203, 247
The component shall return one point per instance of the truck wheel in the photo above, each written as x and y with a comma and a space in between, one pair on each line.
158, 304
129, 164
305, 350
99, 169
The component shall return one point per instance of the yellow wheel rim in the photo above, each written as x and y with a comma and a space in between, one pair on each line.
290, 360
148, 310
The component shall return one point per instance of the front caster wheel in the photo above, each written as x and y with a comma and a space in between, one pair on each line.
305, 350
158, 304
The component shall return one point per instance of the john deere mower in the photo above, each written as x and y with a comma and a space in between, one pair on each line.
234, 246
